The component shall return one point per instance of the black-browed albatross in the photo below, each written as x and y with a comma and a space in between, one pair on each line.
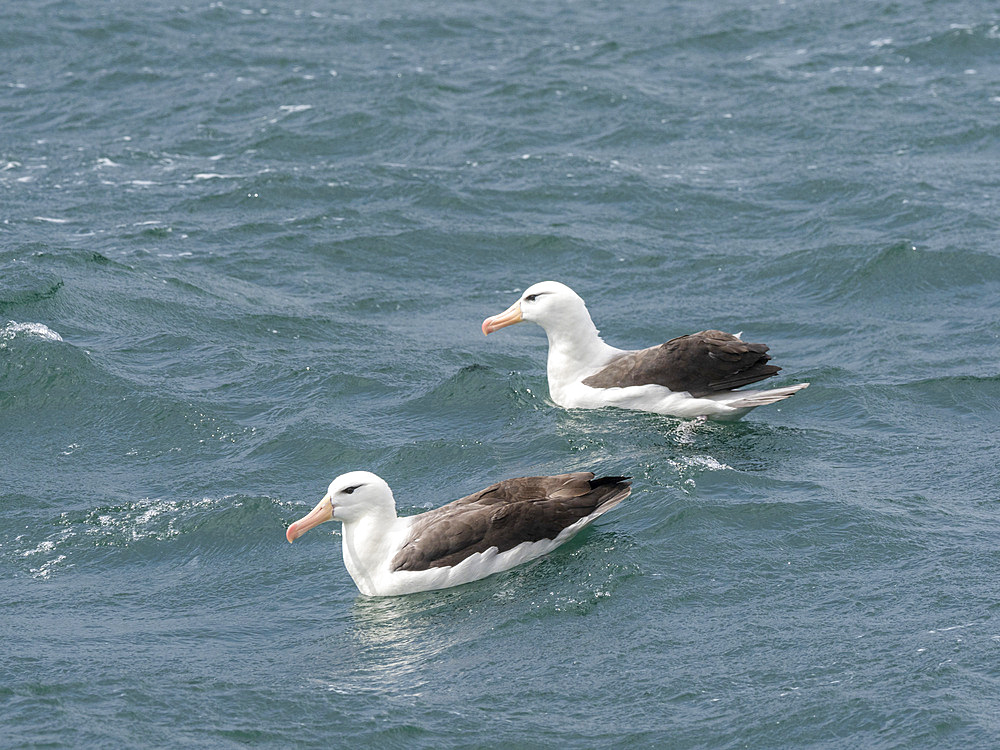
492, 530
689, 376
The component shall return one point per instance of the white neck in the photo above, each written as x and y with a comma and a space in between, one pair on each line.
368, 546
575, 351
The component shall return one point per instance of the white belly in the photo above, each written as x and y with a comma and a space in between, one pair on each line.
653, 398
472, 568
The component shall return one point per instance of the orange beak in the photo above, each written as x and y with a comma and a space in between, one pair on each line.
319, 514
508, 317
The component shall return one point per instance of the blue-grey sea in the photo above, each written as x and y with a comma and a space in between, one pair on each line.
246, 247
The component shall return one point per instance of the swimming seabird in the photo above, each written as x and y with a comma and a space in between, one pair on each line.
689, 376
492, 530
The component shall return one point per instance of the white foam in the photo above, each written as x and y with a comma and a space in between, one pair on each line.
143, 519
708, 463
45, 570
40, 330
47, 546
952, 627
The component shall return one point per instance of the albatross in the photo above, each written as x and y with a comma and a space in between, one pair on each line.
489, 531
689, 376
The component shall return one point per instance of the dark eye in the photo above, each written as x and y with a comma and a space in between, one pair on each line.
531, 298
349, 490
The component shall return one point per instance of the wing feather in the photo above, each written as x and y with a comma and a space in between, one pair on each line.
700, 363
505, 515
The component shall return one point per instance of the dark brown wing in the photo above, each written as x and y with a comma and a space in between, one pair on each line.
699, 363
505, 515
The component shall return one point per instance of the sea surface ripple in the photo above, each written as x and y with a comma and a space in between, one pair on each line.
244, 249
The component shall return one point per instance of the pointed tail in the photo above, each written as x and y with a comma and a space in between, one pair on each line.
761, 398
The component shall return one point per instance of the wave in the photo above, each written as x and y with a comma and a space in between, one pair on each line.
969, 395
896, 271
960, 46
903, 266
476, 400
24, 285
13, 329
149, 529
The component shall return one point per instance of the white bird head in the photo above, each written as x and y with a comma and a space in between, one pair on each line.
551, 305
349, 498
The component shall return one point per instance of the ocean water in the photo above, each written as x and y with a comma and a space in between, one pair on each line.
247, 247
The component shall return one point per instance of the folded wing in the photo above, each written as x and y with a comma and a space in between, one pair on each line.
527, 509
700, 363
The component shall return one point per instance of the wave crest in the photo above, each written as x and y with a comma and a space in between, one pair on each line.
13, 329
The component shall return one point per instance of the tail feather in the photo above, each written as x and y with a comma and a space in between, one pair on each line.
752, 399
609, 491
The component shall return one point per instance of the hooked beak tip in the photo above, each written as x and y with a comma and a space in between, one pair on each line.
321, 513
508, 317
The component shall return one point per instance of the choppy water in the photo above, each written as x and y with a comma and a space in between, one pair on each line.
246, 248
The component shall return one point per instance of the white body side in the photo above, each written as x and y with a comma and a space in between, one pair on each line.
566, 375
373, 576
